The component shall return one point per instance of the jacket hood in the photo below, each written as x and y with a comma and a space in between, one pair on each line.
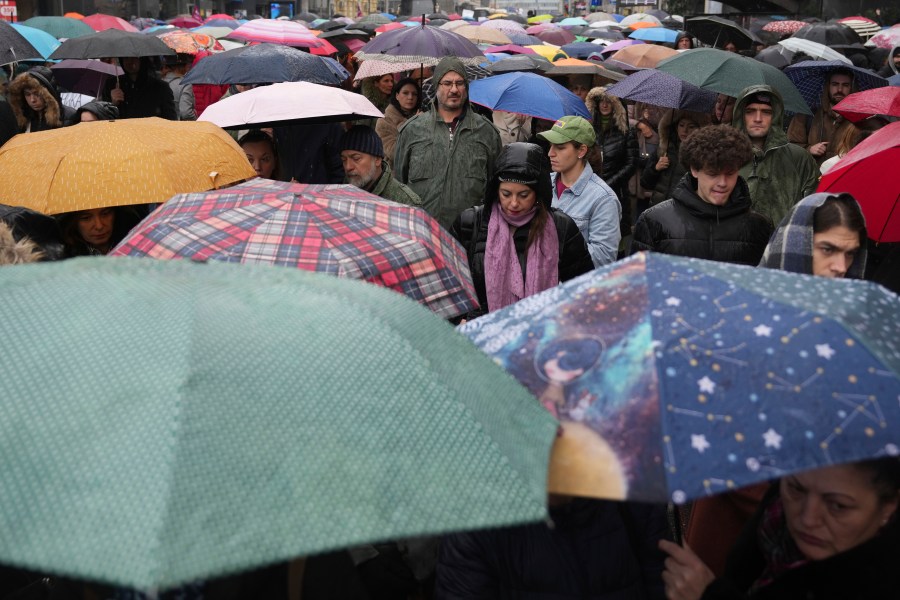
104, 111
791, 246
447, 64
619, 117
525, 162
894, 52
685, 193
777, 135
668, 126
41, 79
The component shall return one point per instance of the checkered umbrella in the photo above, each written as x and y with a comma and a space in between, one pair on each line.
339, 230
810, 76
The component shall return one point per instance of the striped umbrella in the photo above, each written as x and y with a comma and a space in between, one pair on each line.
866, 28
286, 33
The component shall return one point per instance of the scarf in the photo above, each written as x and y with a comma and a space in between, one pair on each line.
778, 548
503, 278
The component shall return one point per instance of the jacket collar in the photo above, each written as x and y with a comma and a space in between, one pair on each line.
580, 183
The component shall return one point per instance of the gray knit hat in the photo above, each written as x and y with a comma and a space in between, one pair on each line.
362, 138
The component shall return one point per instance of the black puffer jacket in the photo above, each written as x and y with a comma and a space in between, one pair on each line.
685, 225
471, 226
596, 549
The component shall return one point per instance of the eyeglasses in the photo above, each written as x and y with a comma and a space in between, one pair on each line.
451, 84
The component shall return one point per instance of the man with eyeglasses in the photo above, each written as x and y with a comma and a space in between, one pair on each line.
446, 155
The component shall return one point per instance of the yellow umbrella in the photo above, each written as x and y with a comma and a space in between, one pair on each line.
540, 19
483, 35
116, 163
549, 52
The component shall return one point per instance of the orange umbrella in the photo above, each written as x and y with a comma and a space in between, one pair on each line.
483, 35
642, 24
574, 66
117, 163
643, 56
74, 15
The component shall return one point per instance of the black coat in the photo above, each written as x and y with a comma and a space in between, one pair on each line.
620, 153
596, 549
662, 183
309, 152
866, 572
146, 96
685, 225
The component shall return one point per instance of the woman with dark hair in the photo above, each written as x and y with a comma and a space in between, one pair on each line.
517, 245
662, 170
405, 100
262, 153
830, 533
96, 231
36, 102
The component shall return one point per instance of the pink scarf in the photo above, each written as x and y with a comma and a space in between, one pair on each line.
502, 273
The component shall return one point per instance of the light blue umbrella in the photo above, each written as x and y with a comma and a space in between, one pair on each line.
573, 21
527, 94
655, 34
42, 41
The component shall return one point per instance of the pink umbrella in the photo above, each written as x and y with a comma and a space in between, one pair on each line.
536, 29
101, 22
389, 27
218, 16
862, 105
886, 39
286, 33
288, 102
616, 46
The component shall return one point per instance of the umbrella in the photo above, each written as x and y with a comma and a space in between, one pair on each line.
729, 73
243, 417
74, 15
523, 39
508, 49
643, 56
814, 50
579, 49
810, 75
216, 32
535, 29
373, 67
504, 25
616, 46
185, 21
864, 28
778, 56
229, 23
389, 27
219, 17
864, 172
785, 27
521, 62
287, 33
573, 66
527, 94
557, 37
377, 19
886, 39
598, 34
862, 105
642, 25
84, 76
13, 45
573, 21
639, 18
661, 89
310, 17
717, 31
598, 16
112, 43
262, 63
421, 44
540, 19
482, 35
101, 22
42, 41
551, 53
185, 42
60, 27
654, 34
283, 103
833, 35
345, 233
676, 378
93, 165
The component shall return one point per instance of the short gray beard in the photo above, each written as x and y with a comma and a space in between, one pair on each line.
365, 180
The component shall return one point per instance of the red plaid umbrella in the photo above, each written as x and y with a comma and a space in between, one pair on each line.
339, 230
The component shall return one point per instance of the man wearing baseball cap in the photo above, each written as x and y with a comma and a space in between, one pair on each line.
579, 192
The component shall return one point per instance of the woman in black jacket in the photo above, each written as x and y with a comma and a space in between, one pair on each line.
516, 243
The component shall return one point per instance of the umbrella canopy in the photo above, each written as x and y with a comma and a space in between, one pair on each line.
598, 16
504, 25
310, 17
92, 165
229, 23
185, 42
616, 46
864, 28
345, 232
886, 39
677, 378
810, 76
814, 50
540, 19
557, 37
185, 21
833, 35
579, 49
287, 33
717, 32
527, 94
778, 56
263, 63
42, 41
74, 15
862, 105
483, 35
862, 173
521, 62
654, 34
219, 17
216, 32
112, 43
84, 76
551, 53
508, 49
283, 103
661, 89
639, 18
643, 56
597, 34
729, 73
101, 22
13, 45
243, 415
60, 27
573, 22
784, 27
573, 66
423, 44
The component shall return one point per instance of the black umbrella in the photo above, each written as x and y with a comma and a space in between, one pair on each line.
670, 23
112, 43
345, 34
434, 16
306, 16
531, 63
659, 14
716, 32
13, 46
263, 63
833, 35
330, 26
517, 19
778, 56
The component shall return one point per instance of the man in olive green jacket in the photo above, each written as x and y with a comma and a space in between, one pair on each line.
780, 174
446, 155
362, 155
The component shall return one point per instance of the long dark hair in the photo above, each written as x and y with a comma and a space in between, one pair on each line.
396, 90
840, 211
258, 135
126, 217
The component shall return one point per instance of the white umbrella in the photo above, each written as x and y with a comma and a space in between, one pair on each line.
288, 102
639, 18
813, 49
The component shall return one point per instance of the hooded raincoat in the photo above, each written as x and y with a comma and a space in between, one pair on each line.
447, 171
780, 173
54, 113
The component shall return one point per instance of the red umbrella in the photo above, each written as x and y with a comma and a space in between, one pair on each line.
101, 22
862, 105
868, 172
185, 21
389, 27
218, 16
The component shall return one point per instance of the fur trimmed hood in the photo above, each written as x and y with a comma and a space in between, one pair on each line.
17, 252
619, 116
52, 113
668, 126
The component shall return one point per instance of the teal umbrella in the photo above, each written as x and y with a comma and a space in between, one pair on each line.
60, 27
42, 41
729, 73
164, 421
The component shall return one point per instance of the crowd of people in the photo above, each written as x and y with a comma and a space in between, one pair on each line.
533, 204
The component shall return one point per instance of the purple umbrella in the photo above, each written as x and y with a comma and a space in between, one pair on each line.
661, 89
84, 76
421, 44
616, 46
557, 37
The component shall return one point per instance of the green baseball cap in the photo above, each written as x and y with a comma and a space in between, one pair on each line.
571, 129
